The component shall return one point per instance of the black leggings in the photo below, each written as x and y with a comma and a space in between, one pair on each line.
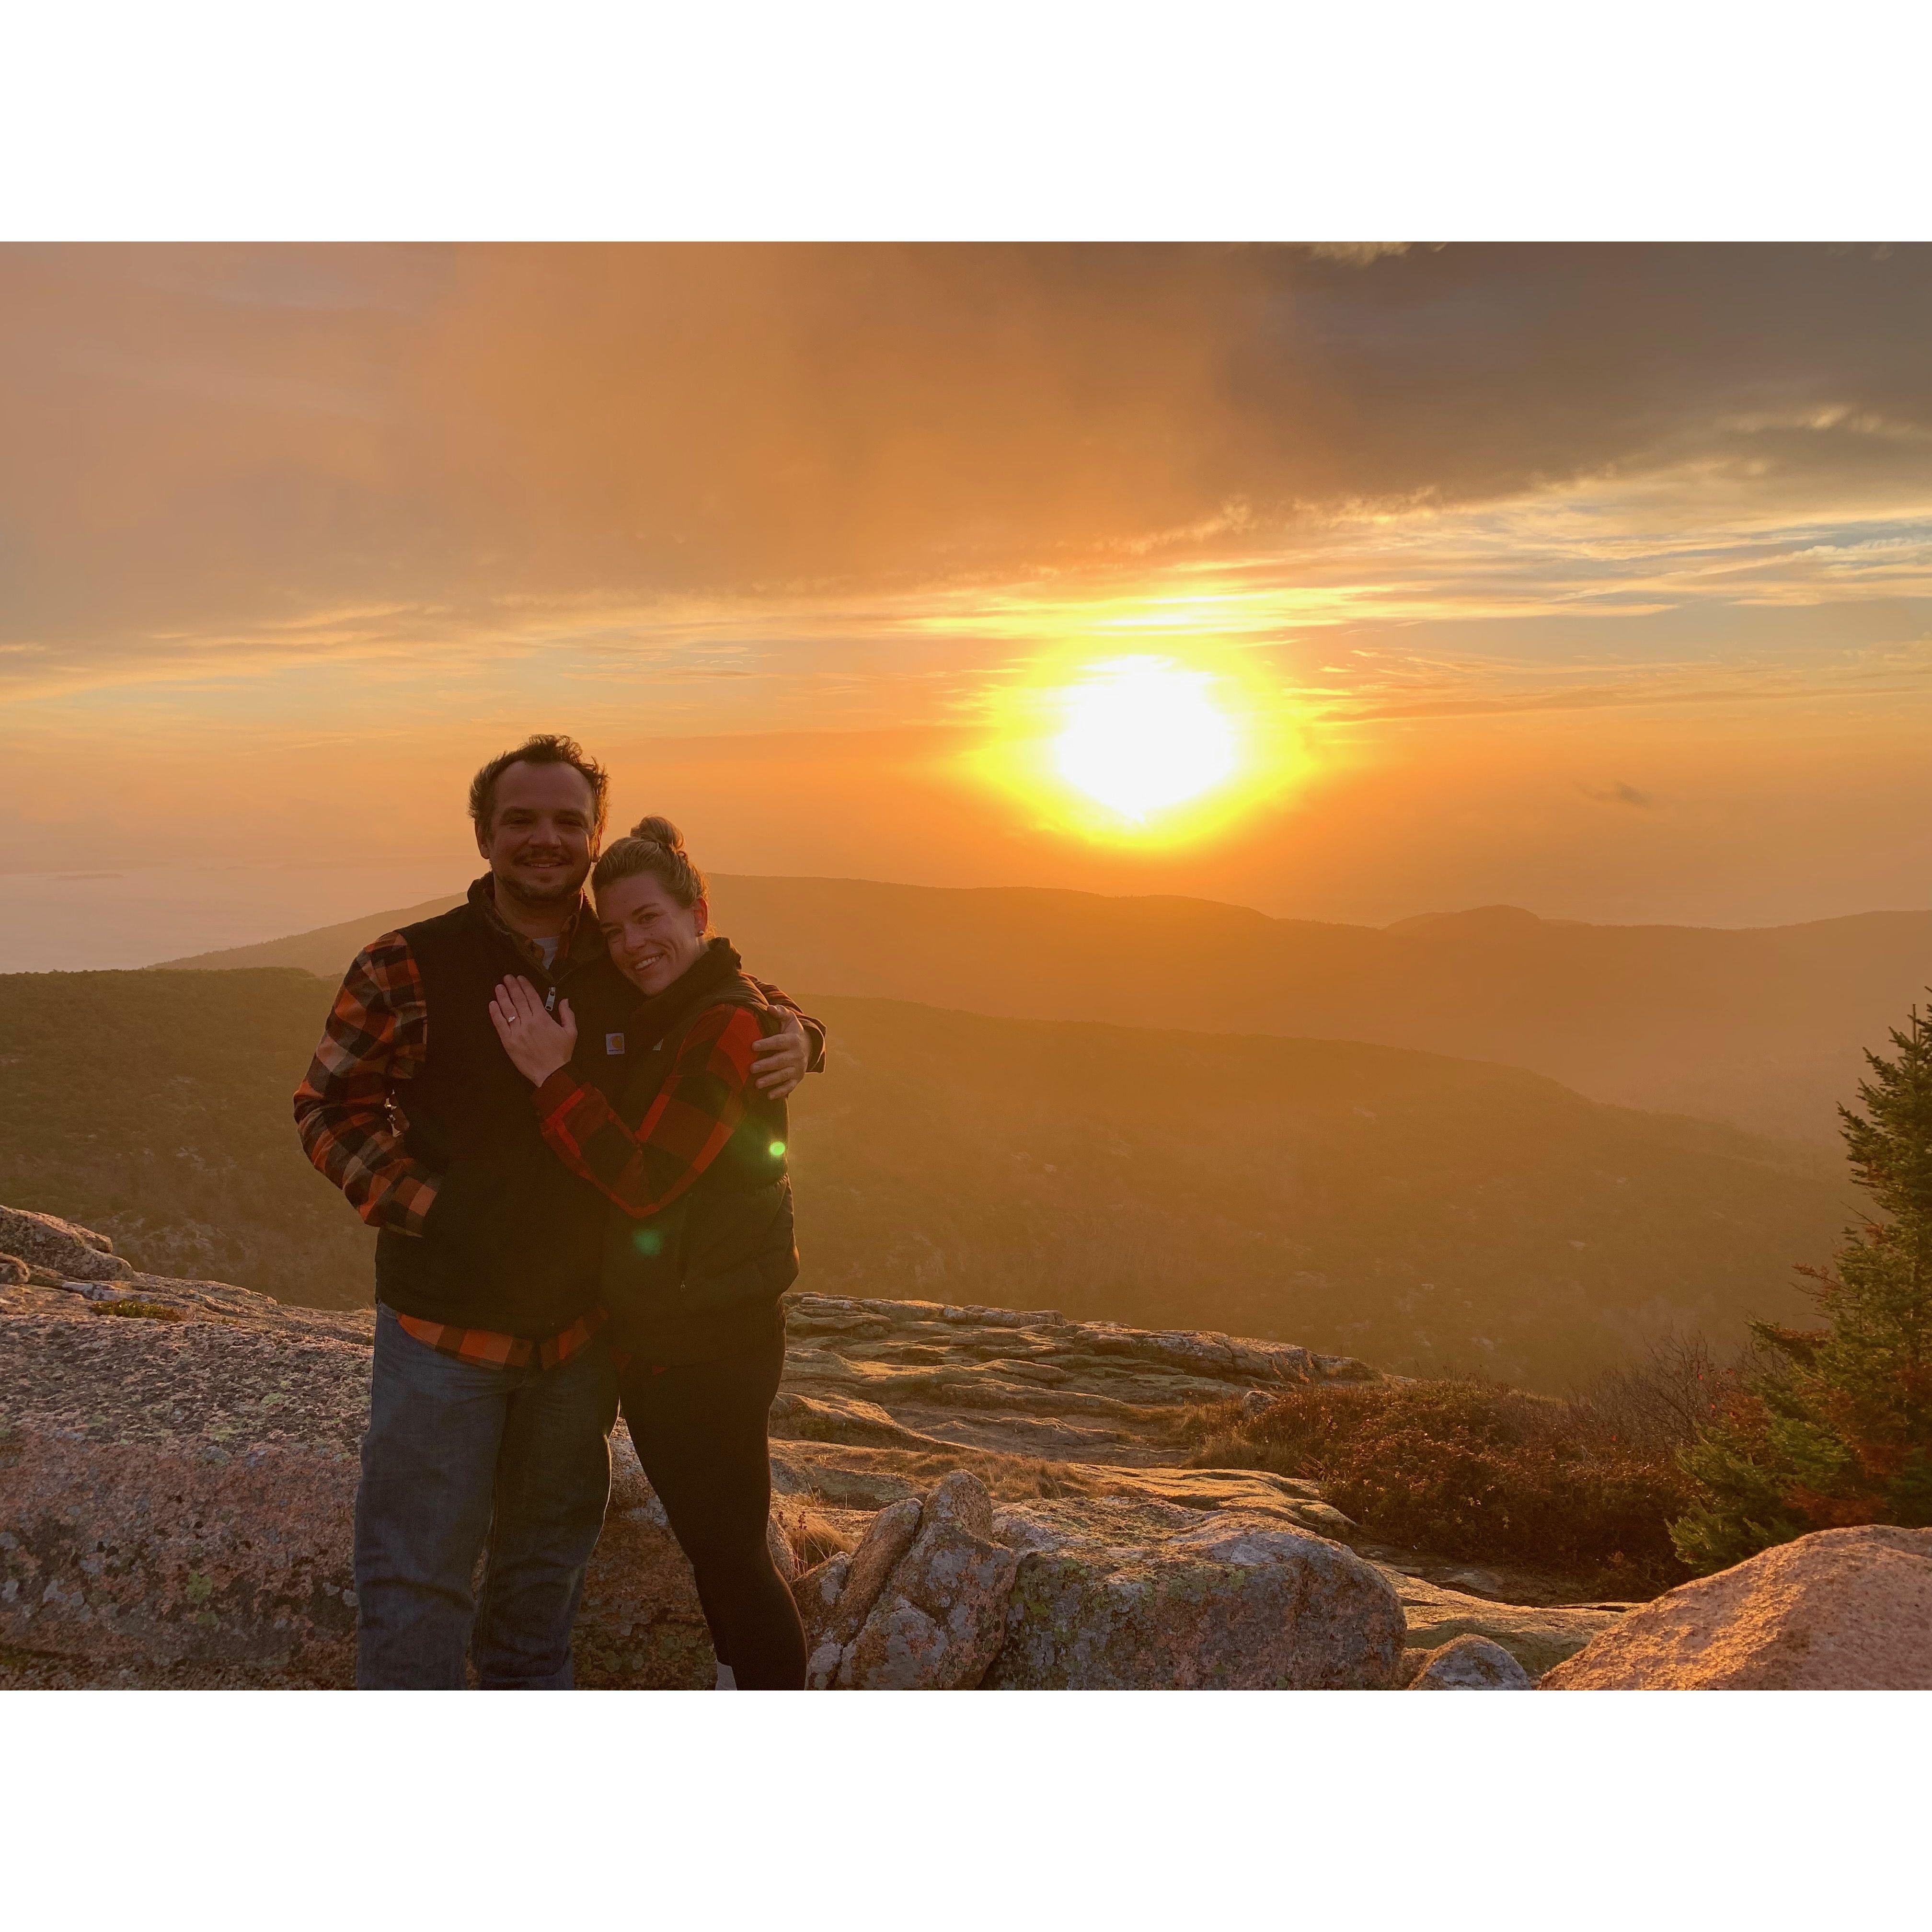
699, 1432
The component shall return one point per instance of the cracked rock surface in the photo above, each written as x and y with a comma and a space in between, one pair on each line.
965, 1496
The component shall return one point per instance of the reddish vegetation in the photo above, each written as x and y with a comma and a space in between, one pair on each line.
1476, 1471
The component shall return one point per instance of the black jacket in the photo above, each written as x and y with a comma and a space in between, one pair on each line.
702, 1279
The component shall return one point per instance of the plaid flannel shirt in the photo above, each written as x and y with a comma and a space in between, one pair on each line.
351, 1118
376, 1040
704, 1097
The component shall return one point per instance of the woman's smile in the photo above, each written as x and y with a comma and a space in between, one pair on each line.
648, 966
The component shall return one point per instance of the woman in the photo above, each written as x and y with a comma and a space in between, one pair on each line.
699, 1246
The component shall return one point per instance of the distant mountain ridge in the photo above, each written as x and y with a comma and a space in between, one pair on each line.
1418, 1211
1764, 1027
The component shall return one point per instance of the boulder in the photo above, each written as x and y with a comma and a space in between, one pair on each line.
1840, 1609
1538, 1636
836, 1598
1225, 1601
73, 1253
940, 1614
14, 1272
817, 1594
1471, 1663
181, 1494
176, 1493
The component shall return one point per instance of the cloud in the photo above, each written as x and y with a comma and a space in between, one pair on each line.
1619, 794
222, 438
1358, 254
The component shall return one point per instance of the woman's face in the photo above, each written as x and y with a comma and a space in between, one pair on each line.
653, 940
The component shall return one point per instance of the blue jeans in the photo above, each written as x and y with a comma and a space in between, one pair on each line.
460, 1455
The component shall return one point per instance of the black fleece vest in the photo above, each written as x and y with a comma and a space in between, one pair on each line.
703, 1278
512, 1240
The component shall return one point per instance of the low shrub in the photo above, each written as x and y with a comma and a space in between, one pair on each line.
1475, 1471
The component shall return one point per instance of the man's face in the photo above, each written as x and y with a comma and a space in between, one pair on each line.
540, 843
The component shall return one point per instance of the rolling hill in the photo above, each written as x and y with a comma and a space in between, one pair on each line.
1761, 1027
1410, 1208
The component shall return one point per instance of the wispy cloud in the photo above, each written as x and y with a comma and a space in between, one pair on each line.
1569, 600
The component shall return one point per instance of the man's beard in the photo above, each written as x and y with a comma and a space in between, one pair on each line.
567, 886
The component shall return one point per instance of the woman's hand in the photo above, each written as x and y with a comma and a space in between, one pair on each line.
537, 1044
779, 1062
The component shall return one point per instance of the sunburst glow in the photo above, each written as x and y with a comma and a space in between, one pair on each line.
1144, 735
1150, 752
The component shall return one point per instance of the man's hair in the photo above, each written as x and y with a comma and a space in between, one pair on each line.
546, 748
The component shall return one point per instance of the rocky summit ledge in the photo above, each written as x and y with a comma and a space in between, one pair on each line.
966, 1496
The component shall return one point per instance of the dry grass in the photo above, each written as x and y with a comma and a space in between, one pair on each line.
1024, 1478
812, 1535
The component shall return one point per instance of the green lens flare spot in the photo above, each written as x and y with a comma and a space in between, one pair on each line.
777, 1149
647, 1241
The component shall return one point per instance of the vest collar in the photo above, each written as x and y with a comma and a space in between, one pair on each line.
580, 941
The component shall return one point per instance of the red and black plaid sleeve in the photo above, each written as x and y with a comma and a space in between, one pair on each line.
376, 1039
696, 1111
814, 1030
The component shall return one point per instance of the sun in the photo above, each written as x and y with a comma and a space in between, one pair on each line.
1143, 735
1142, 752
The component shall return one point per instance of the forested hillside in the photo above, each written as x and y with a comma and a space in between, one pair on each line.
155, 1107
1410, 1209
1764, 1028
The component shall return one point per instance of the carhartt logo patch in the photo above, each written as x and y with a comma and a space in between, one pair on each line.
613, 1042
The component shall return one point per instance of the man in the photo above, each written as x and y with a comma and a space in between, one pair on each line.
493, 1393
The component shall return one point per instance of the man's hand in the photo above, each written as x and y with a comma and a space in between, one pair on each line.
537, 1045
778, 1063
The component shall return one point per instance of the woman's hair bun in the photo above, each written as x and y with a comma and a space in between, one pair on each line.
656, 846
660, 830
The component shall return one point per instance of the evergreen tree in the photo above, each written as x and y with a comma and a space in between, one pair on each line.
1838, 1430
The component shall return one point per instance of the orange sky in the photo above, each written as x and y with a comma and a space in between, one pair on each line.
1595, 579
